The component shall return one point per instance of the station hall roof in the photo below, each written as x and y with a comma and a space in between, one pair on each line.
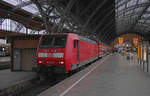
101, 19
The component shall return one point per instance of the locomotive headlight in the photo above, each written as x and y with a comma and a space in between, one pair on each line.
39, 62
61, 62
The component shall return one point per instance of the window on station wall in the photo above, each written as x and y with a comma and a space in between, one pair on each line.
2, 41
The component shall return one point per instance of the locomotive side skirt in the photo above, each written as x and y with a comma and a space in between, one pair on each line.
77, 65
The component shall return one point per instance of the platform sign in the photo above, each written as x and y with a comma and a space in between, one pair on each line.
135, 41
138, 52
141, 52
145, 50
144, 53
120, 40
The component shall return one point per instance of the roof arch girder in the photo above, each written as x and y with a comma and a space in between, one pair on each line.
133, 7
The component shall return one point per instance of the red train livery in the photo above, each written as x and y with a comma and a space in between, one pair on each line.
66, 52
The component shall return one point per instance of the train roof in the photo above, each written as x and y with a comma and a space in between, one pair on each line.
59, 34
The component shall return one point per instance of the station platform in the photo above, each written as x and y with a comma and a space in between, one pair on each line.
8, 78
5, 59
113, 75
4, 62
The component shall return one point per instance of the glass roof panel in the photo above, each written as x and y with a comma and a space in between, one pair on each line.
148, 9
141, 21
133, 14
31, 8
142, 1
131, 3
147, 21
15, 2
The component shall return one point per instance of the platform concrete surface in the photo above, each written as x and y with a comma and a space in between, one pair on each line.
4, 59
112, 76
4, 62
8, 78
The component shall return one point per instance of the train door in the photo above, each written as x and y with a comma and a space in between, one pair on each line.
77, 49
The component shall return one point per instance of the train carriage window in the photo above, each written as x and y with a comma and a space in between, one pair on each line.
75, 43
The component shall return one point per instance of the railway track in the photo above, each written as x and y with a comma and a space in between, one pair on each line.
38, 87
33, 86
4, 65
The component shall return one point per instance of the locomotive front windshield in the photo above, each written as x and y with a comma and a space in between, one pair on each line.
53, 41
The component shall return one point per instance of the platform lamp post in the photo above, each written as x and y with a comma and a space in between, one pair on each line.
139, 53
147, 56
144, 55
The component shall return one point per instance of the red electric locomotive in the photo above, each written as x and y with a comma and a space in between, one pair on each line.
65, 52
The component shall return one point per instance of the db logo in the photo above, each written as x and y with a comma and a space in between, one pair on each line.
53, 51
50, 55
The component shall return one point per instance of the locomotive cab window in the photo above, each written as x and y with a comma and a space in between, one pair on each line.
50, 41
46, 42
59, 42
75, 43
